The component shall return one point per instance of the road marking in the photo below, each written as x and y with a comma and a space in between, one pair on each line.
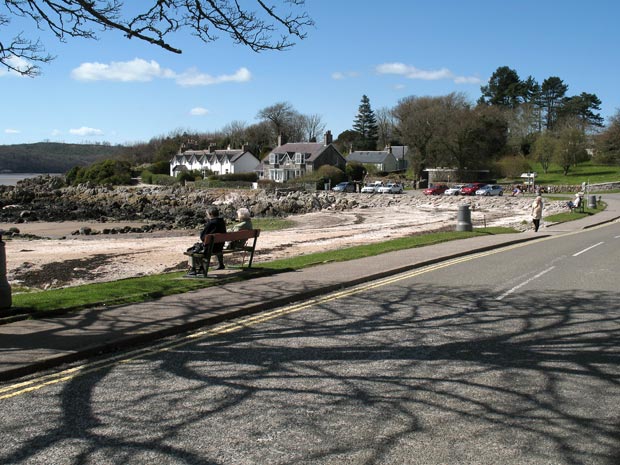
242, 323
518, 286
589, 248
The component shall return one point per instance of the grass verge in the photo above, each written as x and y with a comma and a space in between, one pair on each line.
572, 216
146, 288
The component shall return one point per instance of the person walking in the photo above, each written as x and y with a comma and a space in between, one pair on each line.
537, 208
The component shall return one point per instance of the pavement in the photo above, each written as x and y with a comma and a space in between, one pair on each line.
29, 346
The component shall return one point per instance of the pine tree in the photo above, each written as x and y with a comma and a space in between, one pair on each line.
365, 125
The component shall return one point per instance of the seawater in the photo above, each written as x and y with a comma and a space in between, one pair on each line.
11, 179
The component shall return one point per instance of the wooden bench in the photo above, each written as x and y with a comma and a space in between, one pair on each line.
245, 243
579, 208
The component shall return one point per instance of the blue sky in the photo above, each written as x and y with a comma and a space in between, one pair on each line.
124, 91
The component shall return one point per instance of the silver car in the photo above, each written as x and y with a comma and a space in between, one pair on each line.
490, 189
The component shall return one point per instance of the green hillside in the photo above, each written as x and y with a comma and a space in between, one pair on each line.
52, 157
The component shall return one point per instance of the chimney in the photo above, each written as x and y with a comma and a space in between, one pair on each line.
280, 140
328, 138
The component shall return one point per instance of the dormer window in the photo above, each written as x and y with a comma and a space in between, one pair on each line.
273, 159
299, 158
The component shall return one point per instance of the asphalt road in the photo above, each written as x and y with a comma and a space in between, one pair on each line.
506, 357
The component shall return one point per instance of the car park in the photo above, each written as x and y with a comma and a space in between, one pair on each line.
344, 187
471, 188
435, 190
391, 188
490, 189
372, 187
454, 190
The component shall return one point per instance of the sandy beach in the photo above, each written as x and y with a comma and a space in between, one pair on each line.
60, 259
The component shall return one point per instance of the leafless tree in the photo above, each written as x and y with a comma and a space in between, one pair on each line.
261, 27
281, 116
235, 132
313, 127
385, 125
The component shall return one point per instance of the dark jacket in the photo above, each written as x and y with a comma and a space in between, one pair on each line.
213, 226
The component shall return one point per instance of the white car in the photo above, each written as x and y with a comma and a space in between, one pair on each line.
454, 190
372, 188
391, 188
490, 189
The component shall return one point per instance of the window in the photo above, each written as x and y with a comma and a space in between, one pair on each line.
299, 158
273, 159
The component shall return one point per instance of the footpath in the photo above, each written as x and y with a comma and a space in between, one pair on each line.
29, 346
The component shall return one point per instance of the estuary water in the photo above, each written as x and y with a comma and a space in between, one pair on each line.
11, 179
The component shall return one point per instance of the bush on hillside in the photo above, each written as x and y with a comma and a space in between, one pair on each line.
106, 172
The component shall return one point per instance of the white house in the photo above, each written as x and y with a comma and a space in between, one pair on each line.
217, 161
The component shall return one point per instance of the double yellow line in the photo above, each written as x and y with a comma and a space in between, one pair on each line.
225, 328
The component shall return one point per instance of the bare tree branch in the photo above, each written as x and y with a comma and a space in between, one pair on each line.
254, 28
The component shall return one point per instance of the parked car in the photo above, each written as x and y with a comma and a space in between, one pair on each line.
437, 189
391, 188
454, 190
344, 187
372, 187
490, 189
470, 189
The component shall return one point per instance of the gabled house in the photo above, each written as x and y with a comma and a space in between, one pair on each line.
381, 160
217, 161
293, 160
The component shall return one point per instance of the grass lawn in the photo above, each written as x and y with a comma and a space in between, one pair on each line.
576, 215
583, 172
150, 287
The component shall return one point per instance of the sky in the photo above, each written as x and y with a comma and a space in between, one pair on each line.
122, 91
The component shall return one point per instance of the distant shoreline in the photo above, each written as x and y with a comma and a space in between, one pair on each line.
11, 179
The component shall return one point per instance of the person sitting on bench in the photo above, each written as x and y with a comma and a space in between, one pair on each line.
244, 219
572, 204
213, 226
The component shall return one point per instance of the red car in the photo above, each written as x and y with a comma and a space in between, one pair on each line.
435, 190
470, 189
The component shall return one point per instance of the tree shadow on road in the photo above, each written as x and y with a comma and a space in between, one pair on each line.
424, 374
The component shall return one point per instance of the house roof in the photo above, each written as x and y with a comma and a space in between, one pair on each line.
313, 149
221, 155
371, 156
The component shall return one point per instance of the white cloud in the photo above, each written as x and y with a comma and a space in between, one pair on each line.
17, 63
139, 70
198, 111
125, 71
12, 131
192, 77
468, 80
86, 131
411, 72
338, 75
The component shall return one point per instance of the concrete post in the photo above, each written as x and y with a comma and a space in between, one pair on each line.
5, 288
463, 222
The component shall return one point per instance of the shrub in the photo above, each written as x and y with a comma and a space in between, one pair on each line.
246, 177
328, 172
105, 172
147, 177
512, 166
164, 180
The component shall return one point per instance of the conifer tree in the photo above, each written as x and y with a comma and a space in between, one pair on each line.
365, 125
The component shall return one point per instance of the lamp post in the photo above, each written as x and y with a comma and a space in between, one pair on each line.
5, 288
